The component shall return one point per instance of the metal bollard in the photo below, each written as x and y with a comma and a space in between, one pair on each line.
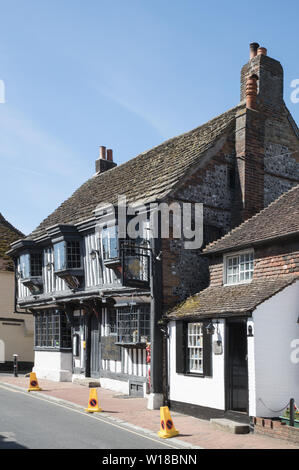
15, 365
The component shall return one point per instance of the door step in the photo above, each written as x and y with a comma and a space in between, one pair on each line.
87, 382
230, 426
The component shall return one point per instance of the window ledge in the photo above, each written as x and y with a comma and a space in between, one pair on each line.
50, 349
238, 283
110, 263
194, 374
131, 345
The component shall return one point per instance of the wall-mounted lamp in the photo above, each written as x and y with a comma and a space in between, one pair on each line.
159, 256
249, 331
210, 329
49, 266
94, 254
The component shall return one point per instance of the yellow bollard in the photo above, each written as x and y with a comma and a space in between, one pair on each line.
93, 404
33, 383
167, 428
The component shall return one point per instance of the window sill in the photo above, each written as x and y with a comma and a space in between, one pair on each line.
195, 374
238, 283
110, 263
52, 349
131, 345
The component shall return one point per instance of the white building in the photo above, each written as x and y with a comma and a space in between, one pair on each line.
232, 348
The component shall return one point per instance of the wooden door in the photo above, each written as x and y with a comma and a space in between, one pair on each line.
237, 371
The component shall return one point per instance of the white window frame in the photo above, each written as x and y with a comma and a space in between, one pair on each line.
195, 346
238, 255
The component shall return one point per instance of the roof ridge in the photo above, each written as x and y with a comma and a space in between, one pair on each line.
172, 139
168, 161
241, 226
4, 222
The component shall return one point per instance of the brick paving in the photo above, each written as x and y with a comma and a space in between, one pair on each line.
133, 410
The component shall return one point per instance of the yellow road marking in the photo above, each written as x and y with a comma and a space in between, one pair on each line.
107, 421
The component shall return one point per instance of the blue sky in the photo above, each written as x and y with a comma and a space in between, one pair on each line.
126, 74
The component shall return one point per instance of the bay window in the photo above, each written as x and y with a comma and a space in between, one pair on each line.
52, 330
110, 243
31, 265
67, 255
133, 324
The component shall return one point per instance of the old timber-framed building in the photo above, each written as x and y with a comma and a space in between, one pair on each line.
94, 315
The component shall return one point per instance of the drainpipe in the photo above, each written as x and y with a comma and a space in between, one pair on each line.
155, 400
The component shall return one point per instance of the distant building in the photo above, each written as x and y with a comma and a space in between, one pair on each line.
16, 329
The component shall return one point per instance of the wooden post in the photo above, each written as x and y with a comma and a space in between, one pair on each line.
292, 412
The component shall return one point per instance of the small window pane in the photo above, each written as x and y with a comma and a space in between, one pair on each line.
240, 268
59, 256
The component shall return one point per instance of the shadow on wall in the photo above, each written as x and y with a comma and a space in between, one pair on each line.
7, 442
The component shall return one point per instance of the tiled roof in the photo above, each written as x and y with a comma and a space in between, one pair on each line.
279, 219
150, 176
8, 235
230, 300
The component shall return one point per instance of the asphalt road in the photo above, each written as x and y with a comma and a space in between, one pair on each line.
27, 421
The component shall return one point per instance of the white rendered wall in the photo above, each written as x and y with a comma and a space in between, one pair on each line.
276, 376
202, 391
53, 365
116, 385
17, 337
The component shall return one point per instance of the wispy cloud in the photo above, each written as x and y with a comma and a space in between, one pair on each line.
26, 147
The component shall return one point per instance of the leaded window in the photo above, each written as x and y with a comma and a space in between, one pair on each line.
111, 321
239, 268
67, 255
133, 324
52, 331
31, 265
110, 242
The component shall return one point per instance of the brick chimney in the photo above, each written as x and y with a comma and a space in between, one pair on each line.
270, 78
105, 162
261, 89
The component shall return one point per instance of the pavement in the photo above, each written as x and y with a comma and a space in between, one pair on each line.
194, 432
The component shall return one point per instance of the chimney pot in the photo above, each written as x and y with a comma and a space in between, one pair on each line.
110, 155
253, 49
102, 152
262, 51
251, 92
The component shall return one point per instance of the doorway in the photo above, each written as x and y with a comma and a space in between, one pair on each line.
95, 346
237, 369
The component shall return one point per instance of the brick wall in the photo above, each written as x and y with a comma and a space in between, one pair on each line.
276, 429
270, 260
276, 260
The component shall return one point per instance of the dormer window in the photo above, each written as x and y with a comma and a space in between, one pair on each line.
239, 268
67, 255
68, 262
110, 243
30, 271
